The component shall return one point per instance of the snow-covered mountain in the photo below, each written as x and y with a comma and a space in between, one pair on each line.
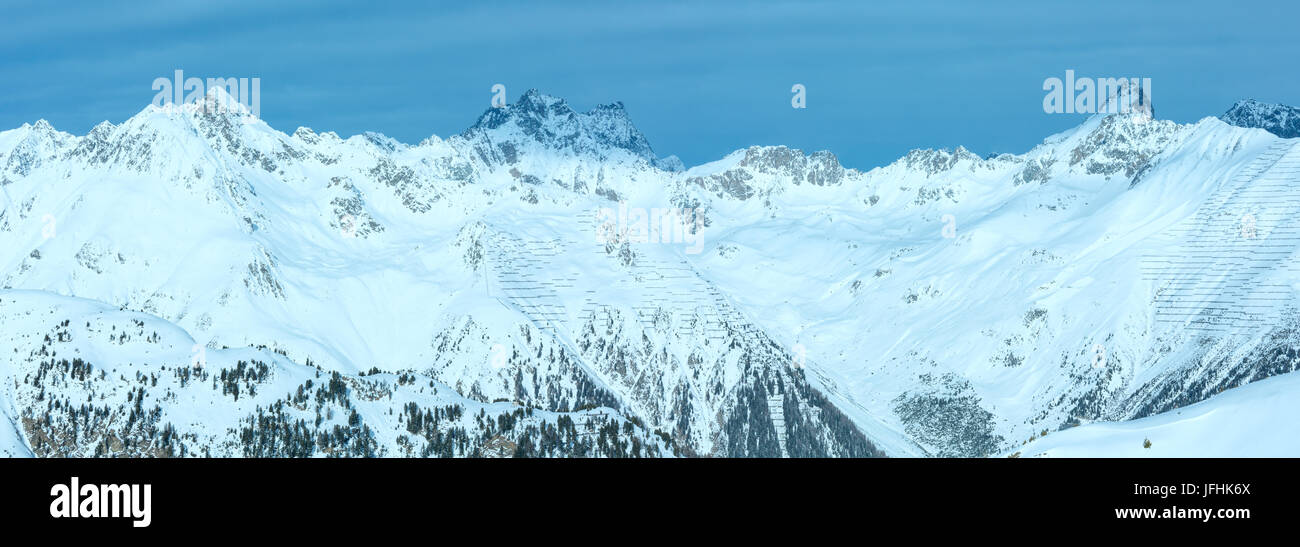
194, 282
1278, 119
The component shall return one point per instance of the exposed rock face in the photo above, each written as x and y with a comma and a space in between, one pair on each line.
539, 120
1278, 119
945, 304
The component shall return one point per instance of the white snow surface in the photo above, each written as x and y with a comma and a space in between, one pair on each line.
1249, 421
945, 304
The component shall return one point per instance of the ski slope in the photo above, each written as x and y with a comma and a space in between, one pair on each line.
1249, 421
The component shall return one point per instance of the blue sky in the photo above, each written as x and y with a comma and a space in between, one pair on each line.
700, 79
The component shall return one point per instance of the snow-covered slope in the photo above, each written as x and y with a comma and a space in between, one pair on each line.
88, 380
1250, 421
942, 305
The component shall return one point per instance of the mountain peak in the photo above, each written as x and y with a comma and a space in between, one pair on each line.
216, 101
1131, 98
1278, 119
44, 132
533, 106
549, 121
536, 102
